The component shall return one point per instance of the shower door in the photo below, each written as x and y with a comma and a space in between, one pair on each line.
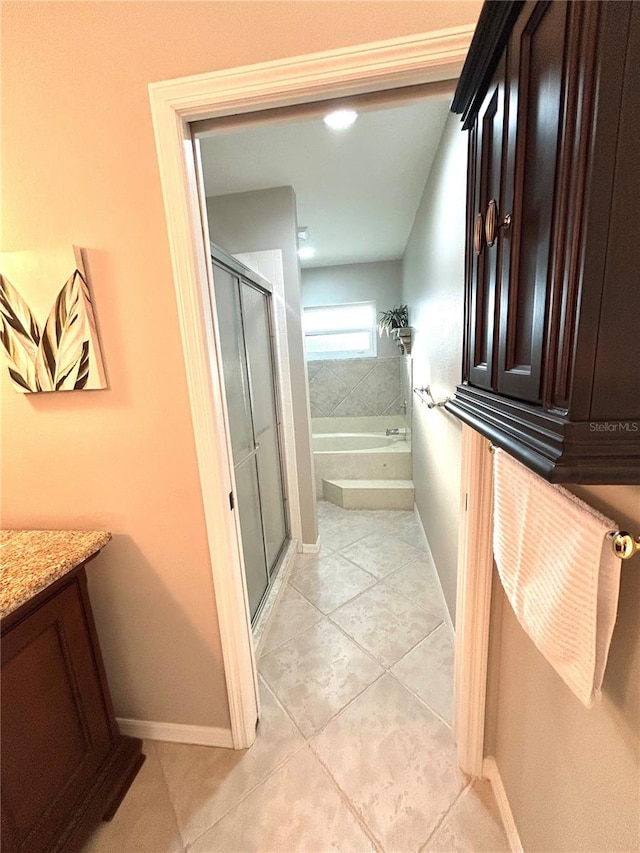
243, 313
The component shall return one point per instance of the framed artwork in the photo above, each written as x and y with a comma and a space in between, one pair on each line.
48, 333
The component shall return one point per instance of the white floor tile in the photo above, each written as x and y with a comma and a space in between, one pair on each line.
317, 673
145, 820
293, 615
396, 763
418, 582
385, 623
472, 826
380, 554
205, 782
329, 581
427, 670
277, 817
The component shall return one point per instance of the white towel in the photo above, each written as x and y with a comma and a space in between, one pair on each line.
558, 571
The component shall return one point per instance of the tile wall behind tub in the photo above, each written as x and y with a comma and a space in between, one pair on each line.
355, 387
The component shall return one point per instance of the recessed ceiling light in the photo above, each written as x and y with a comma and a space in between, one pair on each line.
340, 119
305, 253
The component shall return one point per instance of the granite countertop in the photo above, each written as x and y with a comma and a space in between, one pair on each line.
31, 560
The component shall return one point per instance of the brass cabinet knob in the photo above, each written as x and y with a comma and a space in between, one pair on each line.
491, 223
478, 231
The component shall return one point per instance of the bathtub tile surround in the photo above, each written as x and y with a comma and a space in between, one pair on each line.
355, 387
356, 448
355, 749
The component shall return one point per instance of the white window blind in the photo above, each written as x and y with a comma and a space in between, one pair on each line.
340, 331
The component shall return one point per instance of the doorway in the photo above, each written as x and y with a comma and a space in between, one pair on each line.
371, 68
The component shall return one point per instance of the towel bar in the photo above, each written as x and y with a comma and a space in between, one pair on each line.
623, 544
432, 403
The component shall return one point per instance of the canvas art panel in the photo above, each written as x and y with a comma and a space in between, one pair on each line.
48, 334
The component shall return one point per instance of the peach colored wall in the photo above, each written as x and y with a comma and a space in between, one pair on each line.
79, 166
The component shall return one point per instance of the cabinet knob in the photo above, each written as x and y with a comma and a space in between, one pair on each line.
491, 223
478, 232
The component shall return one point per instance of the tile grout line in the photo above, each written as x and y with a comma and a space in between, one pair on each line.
348, 803
421, 700
248, 792
344, 707
404, 595
283, 707
445, 816
169, 797
293, 636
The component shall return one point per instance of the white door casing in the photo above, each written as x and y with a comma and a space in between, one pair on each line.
473, 600
413, 60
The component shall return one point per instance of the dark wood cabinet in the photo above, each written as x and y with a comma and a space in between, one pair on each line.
551, 372
65, 765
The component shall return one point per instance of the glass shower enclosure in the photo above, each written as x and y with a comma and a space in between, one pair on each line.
243, 309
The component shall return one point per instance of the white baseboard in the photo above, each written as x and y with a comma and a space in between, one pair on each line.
311, 547
492, 773
177, 732
444, 600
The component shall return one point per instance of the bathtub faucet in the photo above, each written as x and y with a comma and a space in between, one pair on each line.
395, 431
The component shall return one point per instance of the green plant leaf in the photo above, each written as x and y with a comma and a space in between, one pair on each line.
394, 318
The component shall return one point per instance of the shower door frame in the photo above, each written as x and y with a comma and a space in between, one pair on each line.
250, 278
428, 58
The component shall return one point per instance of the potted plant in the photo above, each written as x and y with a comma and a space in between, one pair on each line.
395, 322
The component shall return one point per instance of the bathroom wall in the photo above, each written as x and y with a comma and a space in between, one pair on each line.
433, 288
572, 775
253, 222
356, 387
379, 282
79, 166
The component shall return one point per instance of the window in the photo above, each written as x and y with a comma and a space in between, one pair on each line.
340, 331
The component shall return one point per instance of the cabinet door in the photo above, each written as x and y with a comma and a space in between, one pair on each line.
534, 72
55, 726
485, 162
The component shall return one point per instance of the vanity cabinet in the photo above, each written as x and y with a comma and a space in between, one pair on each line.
549, 95
65, 765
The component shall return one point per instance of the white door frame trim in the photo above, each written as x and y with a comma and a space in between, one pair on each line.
413, 60
473, 600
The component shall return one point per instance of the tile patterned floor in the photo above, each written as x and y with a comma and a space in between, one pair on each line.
354, 750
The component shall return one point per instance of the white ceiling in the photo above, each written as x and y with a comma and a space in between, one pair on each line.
357, 190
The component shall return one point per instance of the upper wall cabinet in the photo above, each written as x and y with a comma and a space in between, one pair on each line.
550, 95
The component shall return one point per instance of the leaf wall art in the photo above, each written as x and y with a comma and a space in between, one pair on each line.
48, 330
